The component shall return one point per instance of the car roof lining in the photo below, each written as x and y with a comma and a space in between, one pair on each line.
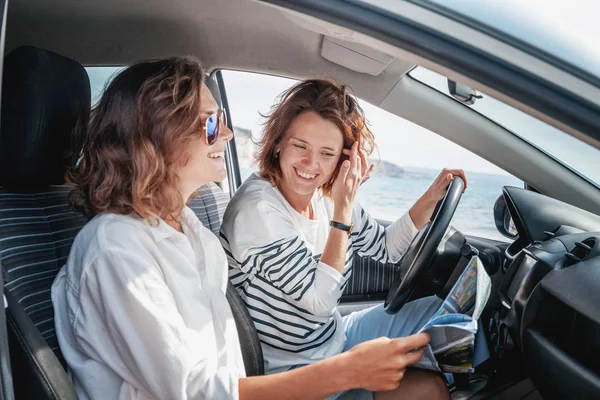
236, 34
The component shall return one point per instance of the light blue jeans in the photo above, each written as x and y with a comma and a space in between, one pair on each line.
374, 322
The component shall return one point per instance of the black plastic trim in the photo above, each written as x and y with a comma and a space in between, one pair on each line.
577, 287
535, 215
499, 75
6, 380
518, 219
38, 373
556, 374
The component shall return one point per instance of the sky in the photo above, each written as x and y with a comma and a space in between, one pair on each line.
568, 28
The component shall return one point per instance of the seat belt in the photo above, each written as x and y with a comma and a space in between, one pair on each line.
5, 370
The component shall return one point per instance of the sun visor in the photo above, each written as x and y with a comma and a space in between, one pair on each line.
340, 45
316, 25
355, 56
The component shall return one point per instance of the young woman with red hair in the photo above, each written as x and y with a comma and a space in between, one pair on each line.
292, 230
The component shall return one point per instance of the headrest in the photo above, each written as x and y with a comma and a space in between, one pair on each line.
43, 95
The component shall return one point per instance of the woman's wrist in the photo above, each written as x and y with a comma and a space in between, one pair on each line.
429, 198
342, 212
342, 215
343, 371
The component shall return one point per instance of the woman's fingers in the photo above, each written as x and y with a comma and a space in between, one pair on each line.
448, 179
463, 175
359, 165
344, 170
369, 172
354, 161
354, 150
364, 162
365, 169
457, 172
409, 343
414, 356
348, 179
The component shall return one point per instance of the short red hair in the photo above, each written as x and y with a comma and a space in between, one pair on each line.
331, 101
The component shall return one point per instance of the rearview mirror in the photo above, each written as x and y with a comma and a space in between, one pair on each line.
503, 220
463, 93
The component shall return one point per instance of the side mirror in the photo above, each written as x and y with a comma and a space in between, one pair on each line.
503, 220
463, 93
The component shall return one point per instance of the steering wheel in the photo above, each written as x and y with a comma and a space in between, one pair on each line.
422, 248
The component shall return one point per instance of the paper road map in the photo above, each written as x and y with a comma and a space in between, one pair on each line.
452, 328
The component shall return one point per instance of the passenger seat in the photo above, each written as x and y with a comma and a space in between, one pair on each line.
43, 96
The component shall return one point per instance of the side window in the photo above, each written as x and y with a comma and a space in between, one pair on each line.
99, 78
408, 157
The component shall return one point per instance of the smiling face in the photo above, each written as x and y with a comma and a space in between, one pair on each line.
202, 163
308, 154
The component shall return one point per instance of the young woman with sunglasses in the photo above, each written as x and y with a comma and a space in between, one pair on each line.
140, 305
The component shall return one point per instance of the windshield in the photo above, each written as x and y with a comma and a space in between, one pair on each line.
568, 150
566, 29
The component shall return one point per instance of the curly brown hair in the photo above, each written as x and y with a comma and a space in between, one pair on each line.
135, 134
330, 100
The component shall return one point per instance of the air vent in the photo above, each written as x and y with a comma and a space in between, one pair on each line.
580, 251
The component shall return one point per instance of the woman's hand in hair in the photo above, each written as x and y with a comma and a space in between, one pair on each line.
366, 169
345, 186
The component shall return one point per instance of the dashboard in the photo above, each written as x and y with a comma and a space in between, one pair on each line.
550, 295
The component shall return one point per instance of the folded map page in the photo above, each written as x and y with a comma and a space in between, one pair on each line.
452, 328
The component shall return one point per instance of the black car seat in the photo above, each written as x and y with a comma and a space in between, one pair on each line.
43, 95
209, 205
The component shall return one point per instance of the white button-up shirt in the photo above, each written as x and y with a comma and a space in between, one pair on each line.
141, 312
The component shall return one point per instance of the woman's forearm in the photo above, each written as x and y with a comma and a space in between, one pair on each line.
421, 211
334, 253
374, 365
316, 381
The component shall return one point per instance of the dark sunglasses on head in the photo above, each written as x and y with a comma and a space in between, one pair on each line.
212, 126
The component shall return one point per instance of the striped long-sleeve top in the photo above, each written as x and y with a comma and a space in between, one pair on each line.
274, 258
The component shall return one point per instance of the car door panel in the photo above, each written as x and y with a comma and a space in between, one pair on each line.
6, 381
